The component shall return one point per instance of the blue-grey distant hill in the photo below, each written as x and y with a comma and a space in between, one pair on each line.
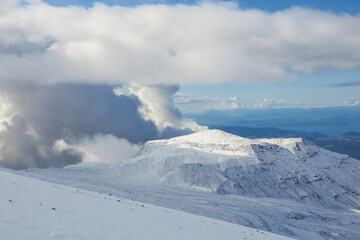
332, 121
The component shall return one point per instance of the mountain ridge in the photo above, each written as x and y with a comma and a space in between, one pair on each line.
289, 168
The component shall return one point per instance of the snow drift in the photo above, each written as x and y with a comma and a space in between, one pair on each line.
33, 209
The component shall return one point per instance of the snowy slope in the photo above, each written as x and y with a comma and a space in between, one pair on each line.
227, 164
286, 186
33, 209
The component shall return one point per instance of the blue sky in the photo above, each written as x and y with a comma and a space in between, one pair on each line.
348, 6
317, 90
327, 87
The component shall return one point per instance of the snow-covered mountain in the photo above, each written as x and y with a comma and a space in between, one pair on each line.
227, 164
286, 186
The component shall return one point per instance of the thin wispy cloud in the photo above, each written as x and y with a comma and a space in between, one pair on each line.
347, 84
206, 103
351, 103
275, 103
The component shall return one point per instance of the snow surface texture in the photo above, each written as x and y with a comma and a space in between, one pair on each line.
286, 186
33, 209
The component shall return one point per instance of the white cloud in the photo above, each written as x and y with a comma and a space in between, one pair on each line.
227, 104
151, 44
192, 104
351, 103
99, 148
6, 111
274, 103
184, 99
91, 121
158, 106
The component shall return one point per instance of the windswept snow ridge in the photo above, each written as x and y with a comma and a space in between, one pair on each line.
33, 209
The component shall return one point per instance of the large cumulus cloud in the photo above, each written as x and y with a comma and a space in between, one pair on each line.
149, 44
79, 109
61, 124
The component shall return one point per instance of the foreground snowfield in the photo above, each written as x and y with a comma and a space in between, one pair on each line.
285, 186
33, 209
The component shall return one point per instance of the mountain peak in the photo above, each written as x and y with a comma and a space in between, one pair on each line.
210, 136
213, 160
351, 134
215, 140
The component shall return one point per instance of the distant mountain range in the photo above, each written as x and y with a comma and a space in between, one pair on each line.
348, 143
328, 121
